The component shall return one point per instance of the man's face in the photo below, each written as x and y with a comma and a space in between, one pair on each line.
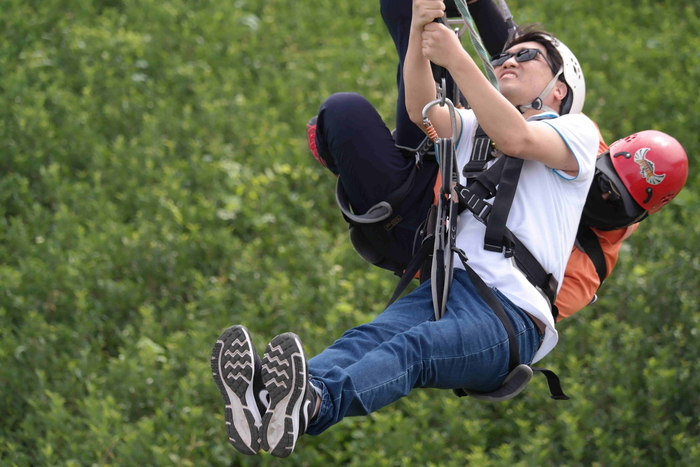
522, 82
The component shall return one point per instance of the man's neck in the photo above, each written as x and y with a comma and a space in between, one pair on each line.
533, 112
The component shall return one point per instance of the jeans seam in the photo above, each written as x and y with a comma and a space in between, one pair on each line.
388, 382
433, 359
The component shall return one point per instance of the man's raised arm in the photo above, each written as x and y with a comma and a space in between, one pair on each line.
497, 115
417, 74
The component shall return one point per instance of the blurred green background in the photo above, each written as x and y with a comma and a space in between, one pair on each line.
156, 188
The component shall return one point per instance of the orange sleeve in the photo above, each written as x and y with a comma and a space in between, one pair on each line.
581, 279
579, 286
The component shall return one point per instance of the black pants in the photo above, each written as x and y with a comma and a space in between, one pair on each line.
358, 147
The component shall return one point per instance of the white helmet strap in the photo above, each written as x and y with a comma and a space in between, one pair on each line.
538, 103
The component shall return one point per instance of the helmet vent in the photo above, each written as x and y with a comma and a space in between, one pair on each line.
577, 70
667, 198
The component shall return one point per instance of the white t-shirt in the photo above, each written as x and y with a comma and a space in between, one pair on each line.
545, 215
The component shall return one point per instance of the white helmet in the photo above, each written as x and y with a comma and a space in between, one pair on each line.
573, 76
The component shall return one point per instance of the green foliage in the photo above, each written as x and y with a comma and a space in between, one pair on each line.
156, 188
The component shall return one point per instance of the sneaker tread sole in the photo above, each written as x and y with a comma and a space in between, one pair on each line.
285, 377
233, 369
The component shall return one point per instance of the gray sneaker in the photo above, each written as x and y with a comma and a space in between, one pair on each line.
292, 399
235, 365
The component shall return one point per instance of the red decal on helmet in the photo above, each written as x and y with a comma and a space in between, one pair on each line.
657, 171
647, 167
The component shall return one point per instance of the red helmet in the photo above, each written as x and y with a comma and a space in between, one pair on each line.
652, 166
636, 177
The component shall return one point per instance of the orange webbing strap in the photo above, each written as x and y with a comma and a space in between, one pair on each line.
430, 130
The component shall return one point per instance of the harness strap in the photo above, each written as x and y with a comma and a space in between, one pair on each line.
515, 382
380, 211
590, 244
496, 228
427, 232
534, 272
483, 187
481, 155
370, 232
500, 180
508, 17
519, 375
423, 149
422, 260
554, 384
413, 267
489, 297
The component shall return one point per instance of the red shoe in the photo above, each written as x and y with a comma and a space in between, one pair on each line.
311, 138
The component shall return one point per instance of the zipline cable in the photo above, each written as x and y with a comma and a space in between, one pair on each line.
476, 41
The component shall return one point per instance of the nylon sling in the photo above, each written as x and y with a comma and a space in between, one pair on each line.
590, 244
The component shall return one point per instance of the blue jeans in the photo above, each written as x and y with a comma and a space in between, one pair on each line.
377, 363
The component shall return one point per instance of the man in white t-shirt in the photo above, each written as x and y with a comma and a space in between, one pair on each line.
377, 363
559, 152
544, 216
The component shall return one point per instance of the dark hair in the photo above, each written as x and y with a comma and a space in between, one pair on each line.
532, 34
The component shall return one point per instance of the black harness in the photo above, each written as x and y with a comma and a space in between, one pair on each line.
588, 242
500, 183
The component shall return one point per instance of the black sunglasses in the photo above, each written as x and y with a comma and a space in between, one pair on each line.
523, 55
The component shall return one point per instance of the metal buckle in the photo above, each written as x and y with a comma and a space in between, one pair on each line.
477, 206
494, 248
510, 251
484, 214
480, 208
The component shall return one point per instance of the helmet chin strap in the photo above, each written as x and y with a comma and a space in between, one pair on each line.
538, 103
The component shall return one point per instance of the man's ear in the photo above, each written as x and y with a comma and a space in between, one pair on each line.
560, 90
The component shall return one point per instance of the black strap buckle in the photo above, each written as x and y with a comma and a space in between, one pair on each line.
470, 175
510, 251
509, 247
478, 207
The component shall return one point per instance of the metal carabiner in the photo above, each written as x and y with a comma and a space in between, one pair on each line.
447, 213
441, 101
